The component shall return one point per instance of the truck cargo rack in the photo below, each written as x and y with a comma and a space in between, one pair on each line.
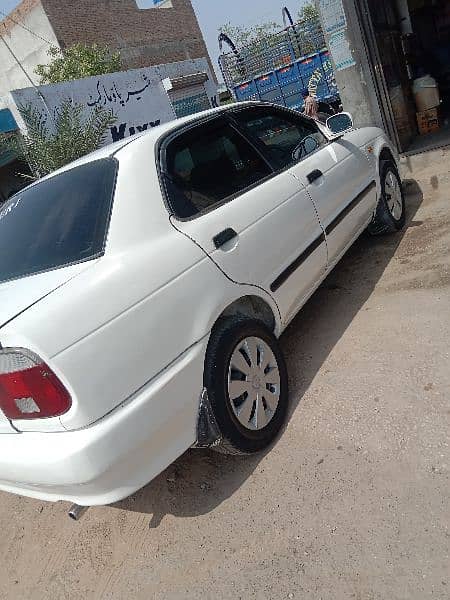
278, 67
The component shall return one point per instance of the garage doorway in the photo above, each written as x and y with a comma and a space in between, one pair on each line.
409, 47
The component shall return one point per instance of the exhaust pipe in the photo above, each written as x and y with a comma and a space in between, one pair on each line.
76, 512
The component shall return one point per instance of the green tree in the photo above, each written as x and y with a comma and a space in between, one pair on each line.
308, 11
262, 46
71, 136
243, 36
254, 44
77, 62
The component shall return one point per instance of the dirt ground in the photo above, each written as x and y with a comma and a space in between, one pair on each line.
351, 503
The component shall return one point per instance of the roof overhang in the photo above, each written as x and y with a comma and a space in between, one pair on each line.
186, 81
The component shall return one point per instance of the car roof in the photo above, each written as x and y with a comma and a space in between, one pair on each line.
157, 132
152, 135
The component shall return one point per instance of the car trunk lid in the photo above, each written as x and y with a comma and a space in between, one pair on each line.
18, 295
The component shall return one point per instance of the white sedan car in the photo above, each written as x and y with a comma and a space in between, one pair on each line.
143, 289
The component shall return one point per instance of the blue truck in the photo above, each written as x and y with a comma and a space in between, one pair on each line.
276, 70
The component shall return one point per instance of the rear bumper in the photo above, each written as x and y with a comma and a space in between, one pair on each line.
119, 454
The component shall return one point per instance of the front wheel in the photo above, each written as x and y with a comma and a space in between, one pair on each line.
390, 214
247, 384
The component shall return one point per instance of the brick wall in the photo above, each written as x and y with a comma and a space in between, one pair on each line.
144, 37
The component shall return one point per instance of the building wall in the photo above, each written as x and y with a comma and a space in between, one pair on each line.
30, 49
145, 37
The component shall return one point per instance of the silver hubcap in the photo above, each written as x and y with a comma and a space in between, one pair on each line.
253, 383
393, 195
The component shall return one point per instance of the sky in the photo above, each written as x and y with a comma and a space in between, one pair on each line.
214, 13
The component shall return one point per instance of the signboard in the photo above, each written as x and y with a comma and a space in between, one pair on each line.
335, 26
340, 49
333, 15
138, 98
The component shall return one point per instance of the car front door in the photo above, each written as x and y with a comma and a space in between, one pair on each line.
257, 224
342, 186
336, 174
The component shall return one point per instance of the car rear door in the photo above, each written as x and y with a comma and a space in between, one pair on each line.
336, 174
258, 225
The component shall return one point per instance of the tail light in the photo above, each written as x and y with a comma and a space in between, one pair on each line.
28, 387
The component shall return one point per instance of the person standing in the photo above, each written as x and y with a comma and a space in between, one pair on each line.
311, 105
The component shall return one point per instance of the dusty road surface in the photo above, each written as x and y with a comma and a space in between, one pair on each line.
351, 503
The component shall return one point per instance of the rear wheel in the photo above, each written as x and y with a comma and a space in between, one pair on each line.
246, 380
390, 214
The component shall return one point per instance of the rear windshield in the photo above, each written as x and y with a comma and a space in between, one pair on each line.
57, 222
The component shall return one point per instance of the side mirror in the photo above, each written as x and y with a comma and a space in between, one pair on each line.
340, 123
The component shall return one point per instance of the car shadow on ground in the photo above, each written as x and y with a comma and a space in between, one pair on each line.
201, 480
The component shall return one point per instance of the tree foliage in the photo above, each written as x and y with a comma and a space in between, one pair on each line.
263, 46
243, 36
70, 136
77, 62
308, 11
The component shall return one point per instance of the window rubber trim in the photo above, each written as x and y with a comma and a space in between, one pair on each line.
262, 148
102, 249
160, 157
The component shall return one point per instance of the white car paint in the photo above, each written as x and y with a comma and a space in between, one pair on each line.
18, 295
262, 216
127, 333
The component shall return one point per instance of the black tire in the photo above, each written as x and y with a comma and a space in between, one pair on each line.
384, 221
237, 439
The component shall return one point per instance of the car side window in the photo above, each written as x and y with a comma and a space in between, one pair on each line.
286, 138
209, 164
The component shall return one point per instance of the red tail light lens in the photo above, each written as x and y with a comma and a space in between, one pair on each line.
28, 388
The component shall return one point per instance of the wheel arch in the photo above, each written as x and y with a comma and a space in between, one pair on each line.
247, 313
251, 306
384, 152
386, 155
